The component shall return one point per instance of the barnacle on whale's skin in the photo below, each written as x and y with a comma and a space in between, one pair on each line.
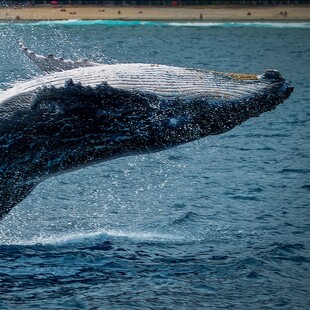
80, 112
244, 76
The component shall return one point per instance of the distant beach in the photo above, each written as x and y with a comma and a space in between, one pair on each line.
246, 13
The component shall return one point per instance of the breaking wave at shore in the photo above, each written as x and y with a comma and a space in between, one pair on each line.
116, 23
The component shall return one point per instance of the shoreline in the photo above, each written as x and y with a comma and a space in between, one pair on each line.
283, 13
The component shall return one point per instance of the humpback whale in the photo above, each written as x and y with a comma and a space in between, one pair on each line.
79, 113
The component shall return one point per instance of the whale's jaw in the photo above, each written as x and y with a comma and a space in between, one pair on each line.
52, 124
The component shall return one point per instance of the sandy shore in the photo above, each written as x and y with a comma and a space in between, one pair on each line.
158, 13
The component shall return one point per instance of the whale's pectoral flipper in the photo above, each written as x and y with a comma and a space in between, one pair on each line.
10, 196
51, 63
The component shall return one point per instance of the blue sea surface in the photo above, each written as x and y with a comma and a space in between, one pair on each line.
220, 223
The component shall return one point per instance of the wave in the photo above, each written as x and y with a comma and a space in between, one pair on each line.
242, 24
93, 237
120, 23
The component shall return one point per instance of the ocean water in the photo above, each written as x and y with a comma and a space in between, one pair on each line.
220, 223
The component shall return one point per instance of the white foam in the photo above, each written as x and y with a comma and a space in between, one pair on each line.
91, 237
121, 23
242, 24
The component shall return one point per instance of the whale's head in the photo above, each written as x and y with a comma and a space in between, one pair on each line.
245, 96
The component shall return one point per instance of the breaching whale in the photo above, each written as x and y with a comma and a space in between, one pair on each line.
80, 113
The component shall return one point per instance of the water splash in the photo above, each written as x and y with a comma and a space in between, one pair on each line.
93, 238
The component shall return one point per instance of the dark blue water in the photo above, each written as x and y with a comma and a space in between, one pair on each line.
221, 223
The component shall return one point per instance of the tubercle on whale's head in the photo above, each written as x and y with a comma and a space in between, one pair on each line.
272, 75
